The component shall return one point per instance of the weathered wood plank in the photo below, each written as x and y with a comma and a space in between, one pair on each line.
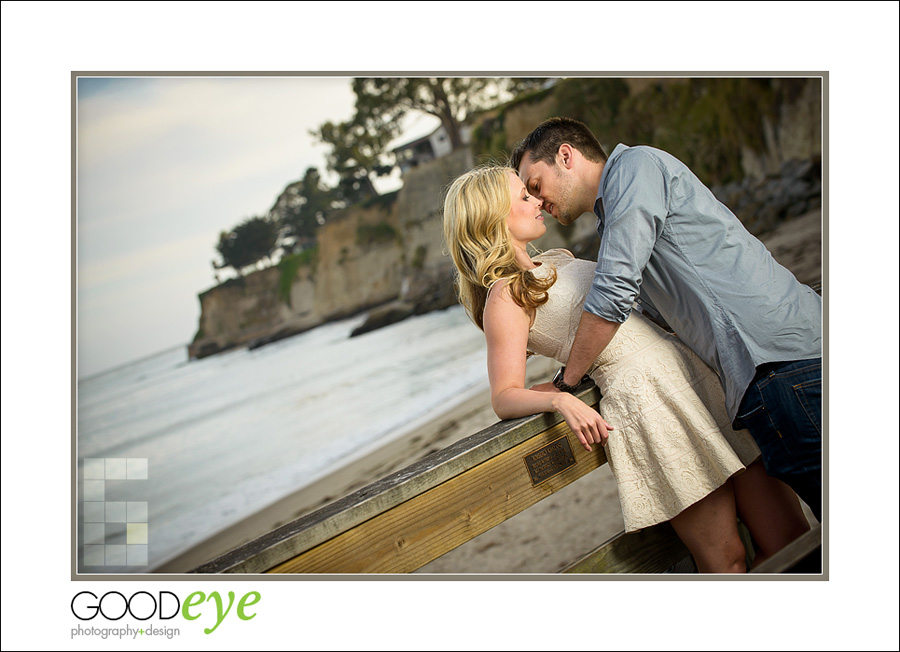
651, 550
314, 529
437, 521
656, 549
795, 557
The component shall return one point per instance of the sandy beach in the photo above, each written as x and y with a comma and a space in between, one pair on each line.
587, 511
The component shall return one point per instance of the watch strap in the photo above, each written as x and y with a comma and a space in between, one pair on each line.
560, 384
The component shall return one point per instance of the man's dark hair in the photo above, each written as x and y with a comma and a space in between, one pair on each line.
543, 143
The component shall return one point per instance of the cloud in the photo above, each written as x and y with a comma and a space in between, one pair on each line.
133, 266
150, 146
165, 164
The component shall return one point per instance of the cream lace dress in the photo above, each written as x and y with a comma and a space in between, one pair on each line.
673, 443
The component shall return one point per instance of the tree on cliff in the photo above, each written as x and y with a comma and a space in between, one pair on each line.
301, 209
383, 102
358, 153
249, 242
359, 147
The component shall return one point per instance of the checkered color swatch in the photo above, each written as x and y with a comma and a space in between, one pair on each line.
101, 515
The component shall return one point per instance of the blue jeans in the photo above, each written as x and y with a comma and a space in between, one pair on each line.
782, 409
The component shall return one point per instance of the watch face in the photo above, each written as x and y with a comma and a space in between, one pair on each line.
558, 381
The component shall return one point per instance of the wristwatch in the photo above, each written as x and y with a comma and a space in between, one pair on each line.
560, 384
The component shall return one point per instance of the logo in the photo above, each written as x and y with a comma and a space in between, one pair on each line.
165, 605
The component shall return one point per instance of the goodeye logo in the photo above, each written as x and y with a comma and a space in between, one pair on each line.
143, 606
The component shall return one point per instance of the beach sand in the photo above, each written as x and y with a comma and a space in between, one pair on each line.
544, 538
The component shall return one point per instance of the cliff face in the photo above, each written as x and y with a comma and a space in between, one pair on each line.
427, 275
724, 129
358, 263
366, 256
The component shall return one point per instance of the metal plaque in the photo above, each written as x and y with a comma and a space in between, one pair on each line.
549, 460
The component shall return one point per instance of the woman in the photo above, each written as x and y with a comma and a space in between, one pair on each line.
671, 447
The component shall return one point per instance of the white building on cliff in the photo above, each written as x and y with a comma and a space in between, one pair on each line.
427, 148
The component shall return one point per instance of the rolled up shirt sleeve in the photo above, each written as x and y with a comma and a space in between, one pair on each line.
635, 201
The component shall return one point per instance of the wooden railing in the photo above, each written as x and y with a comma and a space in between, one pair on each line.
409, 518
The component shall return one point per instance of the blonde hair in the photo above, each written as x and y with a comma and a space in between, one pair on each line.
475, 210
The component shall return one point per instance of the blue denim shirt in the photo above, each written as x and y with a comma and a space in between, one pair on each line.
666, 241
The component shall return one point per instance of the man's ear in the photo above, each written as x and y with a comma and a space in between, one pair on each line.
565, 156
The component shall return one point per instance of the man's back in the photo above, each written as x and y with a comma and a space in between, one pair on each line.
664, 234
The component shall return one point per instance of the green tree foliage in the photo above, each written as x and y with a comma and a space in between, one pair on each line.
249, 242
383, 102
301, 208
358, 154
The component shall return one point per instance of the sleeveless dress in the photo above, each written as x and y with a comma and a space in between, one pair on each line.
673, 442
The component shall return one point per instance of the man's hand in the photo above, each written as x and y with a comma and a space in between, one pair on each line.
545, 387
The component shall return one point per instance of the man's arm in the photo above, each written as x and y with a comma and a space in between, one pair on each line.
635, 201
594, 333
634, 198
592, 337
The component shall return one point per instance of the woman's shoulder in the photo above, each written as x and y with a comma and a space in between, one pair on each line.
496, 288
500, 309
499, 294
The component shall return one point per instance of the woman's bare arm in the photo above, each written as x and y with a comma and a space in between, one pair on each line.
506, 326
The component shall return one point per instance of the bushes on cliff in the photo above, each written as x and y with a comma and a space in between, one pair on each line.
289, 266
368, 235
708, 122
249, 242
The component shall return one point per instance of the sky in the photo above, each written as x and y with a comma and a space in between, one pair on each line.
43, 42
164, 164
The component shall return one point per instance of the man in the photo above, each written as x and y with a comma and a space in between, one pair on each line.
667, 243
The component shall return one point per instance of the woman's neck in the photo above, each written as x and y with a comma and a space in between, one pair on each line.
524, 259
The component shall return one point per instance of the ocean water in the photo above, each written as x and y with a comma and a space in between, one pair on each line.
170, 451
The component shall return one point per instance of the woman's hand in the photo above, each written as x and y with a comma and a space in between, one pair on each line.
585, 421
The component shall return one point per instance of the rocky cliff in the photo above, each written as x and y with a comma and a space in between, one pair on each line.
357, 264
